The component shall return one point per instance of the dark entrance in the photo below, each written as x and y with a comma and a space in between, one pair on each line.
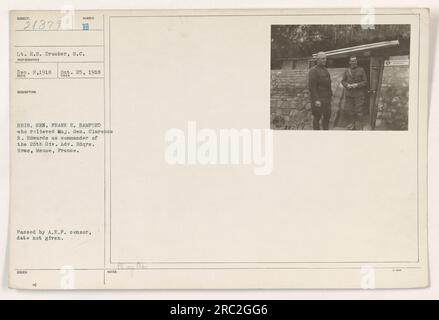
342, 119
365, 64
371, 58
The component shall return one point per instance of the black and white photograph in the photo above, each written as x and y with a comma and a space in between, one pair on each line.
179, 153
340, 77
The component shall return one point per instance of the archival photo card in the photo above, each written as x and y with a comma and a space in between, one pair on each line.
218, 149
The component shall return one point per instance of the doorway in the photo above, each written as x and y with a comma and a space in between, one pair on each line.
365, 64
342, 118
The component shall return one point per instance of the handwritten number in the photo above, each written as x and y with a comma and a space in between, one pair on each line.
42, 24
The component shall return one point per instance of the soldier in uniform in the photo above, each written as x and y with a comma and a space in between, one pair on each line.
355, 80
320, 92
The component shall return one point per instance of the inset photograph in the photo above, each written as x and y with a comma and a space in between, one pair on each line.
340, 77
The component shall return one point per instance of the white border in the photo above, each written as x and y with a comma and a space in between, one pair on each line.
429, 293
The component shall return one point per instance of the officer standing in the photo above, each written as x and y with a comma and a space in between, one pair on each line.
320, 92
355, 80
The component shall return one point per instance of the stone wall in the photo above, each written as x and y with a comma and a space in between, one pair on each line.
393, 99
290, 105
